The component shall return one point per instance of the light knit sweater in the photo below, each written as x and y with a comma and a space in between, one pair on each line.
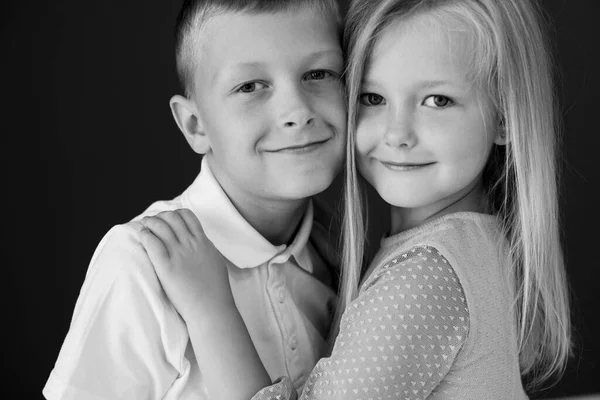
433, 320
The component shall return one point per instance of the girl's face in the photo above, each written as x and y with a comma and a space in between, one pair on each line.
424, 129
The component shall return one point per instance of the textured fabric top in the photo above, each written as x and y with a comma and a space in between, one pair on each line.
432, 320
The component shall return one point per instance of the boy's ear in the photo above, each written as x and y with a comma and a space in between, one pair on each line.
189, 122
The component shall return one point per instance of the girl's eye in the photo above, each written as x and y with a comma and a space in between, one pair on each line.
371, 99
250, 87
319, 75
438, 101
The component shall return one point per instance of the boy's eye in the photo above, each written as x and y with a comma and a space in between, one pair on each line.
318, 75
250, 87
438, 101
371, 99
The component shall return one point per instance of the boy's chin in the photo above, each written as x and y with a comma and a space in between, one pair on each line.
305, 188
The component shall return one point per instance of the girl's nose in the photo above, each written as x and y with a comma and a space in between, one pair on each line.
400, 131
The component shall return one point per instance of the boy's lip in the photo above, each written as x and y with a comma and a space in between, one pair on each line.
300, 147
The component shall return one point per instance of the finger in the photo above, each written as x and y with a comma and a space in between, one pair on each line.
161, 229
192, 222
177, 225
156, 250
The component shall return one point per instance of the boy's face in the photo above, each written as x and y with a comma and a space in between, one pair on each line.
271, 103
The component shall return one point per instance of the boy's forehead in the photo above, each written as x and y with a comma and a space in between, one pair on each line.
242, 26
255, 40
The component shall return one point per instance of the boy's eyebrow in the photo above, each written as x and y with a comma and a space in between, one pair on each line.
312, 56
322, 53
245, 64
258, 64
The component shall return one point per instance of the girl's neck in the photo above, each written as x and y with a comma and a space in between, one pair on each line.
470, 199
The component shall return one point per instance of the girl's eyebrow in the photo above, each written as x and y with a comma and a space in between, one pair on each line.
435, 83
428, 84
367, 82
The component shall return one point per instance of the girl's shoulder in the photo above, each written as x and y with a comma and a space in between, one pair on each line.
457, 238
461, 252
448, 227
422, 266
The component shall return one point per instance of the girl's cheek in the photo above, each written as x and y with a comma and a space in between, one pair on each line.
361, 141
366, 133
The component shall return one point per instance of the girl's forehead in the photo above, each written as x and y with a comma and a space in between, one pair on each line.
433, 42
424, 43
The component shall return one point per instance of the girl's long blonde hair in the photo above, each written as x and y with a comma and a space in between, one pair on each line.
513, 64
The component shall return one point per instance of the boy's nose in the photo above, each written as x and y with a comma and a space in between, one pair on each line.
298, 121
295, 111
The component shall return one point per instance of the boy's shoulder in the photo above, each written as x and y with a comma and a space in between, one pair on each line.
120, 252
158, 207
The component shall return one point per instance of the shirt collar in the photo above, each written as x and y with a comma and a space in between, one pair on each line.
232, 235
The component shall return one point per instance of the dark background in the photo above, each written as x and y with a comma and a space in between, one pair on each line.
88, 141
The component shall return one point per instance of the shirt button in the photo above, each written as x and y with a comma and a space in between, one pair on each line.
293, 343
281, 296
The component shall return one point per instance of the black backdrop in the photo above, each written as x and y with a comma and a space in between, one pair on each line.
88, 141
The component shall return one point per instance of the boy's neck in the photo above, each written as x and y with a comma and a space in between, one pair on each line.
276, 220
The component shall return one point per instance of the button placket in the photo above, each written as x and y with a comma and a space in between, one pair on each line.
293, 343
280, 295
285, 313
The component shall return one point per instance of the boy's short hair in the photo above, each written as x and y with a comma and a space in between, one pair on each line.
195, 13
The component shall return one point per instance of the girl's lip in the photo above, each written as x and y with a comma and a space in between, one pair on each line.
405, 164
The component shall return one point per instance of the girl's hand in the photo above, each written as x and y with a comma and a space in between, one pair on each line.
191, 270
194, 276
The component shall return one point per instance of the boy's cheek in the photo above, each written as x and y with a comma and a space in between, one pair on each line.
332, 100
333, 92
242, 109
244, 117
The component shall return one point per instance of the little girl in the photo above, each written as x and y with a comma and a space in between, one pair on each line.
452, 121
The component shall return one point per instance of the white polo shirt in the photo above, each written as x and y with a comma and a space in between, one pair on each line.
126, 341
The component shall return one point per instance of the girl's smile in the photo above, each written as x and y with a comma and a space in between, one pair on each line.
425, 129
397, 166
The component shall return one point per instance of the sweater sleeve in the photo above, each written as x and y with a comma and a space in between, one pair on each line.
398, 338
282, 389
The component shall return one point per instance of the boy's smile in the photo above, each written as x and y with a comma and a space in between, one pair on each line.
270, 101
300, 148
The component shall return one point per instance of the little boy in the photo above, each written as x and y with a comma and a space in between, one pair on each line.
264, 103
